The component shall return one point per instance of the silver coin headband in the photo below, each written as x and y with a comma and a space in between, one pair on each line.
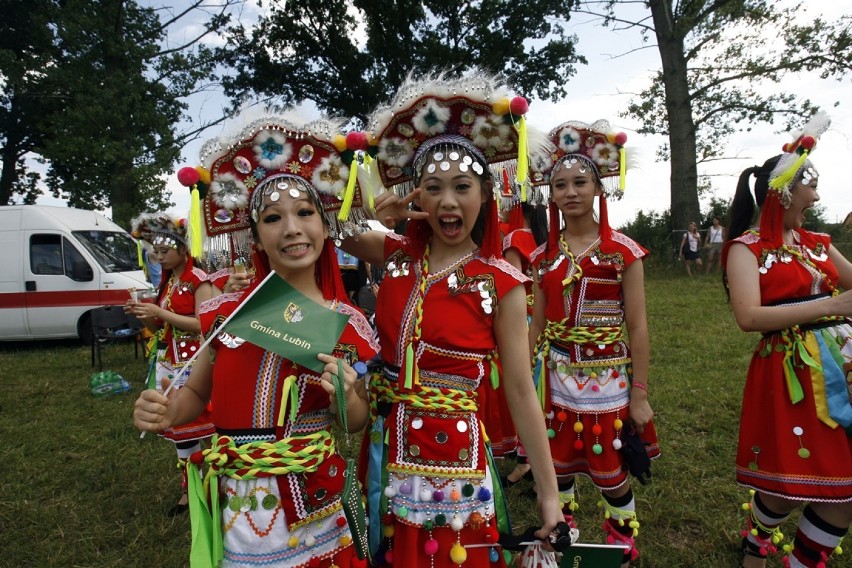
441, 150
570, 160
167, 240
274, 187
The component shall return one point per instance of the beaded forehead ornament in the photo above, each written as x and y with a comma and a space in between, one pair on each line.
272, 157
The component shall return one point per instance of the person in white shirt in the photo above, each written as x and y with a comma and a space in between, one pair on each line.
713, 241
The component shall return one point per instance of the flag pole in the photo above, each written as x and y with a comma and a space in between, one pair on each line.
182, 371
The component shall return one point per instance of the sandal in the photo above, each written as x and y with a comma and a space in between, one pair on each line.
506, 482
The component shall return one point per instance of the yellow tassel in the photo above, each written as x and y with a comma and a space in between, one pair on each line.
139, 257
349, 195
195, 223
288, 391
523, 158
622, 168
783, 180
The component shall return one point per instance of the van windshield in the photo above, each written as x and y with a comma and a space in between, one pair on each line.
115, 252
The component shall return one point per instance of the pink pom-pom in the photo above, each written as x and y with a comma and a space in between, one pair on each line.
634, 554
621, 138
808, 142
357, 140
430, 547
519, 106
188, 176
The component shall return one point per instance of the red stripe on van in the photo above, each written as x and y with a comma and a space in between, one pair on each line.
63, 298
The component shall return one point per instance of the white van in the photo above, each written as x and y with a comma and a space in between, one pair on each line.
57, 264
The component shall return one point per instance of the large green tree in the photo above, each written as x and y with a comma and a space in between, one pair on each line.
349, 56
721, 61
117, 86
27, 52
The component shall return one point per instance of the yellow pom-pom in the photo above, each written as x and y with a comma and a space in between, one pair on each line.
617, 424
751, 492
501, 107
754, 532
339, 142
611, 137
634, 524
787, 548
387, 531
293, 542
578, 427
371, 139
458, 554
746, 506
621, 522
838, 549
203, 175
593, 375
345, 540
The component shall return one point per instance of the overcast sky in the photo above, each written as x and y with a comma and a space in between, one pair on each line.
619, 64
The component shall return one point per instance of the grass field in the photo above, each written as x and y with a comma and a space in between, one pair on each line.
81, 488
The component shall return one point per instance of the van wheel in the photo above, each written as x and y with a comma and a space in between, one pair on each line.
84, 329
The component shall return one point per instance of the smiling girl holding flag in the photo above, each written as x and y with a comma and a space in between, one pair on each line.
275, 479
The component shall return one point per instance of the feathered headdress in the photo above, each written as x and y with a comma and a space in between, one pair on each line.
793, 165
160, 229
439, 113
597, 146
270, 156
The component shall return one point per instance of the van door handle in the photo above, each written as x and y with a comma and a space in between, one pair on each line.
30, 286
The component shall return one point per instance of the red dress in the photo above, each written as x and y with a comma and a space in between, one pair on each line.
282, 520
794, 427
428, 475
585, 360
493, 408
177, 347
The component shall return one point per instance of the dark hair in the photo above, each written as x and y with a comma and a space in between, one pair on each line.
742, 212
536, 218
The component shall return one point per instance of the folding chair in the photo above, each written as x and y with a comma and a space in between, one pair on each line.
110, 323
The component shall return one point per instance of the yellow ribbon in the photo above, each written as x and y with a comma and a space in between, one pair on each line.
523, 158
349, 195
818, 384
290, 390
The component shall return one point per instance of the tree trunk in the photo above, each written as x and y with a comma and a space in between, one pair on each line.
7, 177
682, 146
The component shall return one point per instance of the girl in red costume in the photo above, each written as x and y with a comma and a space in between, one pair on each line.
527, 229
173, 318
273, 460
794, 445
447, 303
589, 288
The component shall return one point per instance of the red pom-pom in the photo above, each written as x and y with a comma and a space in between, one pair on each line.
621, 139
785, 148
491, 534
341, 522
808, 142
188, 176
578, 445
519, 106
357, 140
197, 458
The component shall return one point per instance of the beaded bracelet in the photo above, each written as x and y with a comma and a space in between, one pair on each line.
642, 386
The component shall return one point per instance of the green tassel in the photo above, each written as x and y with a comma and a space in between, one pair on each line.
409, 366
495, 373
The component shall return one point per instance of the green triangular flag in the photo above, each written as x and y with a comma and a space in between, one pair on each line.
279, 318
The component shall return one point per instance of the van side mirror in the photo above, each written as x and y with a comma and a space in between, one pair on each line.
81, 271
